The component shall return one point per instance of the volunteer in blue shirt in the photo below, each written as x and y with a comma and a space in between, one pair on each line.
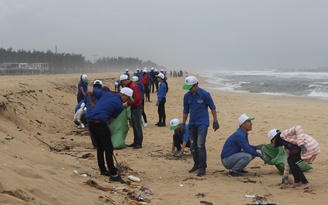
180, 140
108, 107
82, 87
237, 153
196, 102
161, 100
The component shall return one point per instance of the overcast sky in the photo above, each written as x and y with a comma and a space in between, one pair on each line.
179, 34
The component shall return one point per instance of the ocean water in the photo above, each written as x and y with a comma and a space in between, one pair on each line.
311, 82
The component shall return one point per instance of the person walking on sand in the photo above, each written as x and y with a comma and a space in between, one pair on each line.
161, 100
82, 87
180, 140
108, 107
237, 153
298, 147
136, 110
196, 102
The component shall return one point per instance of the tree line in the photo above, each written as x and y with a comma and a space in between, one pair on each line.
60, 63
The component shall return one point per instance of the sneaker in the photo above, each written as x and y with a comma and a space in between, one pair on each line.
234, 174
157, 123
243, 171
145, 124
131, 145
201, 172
194, 168
161, 125
105, 173
117, 178
137, 146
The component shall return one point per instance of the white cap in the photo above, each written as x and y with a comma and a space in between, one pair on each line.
174, 124
126, 69
155, 69
135, 79
138, 69
272, 133
84, 77
97, 82
160, 75
152, 68
144, 70
127, 91
123, 77
243, 118
189, 82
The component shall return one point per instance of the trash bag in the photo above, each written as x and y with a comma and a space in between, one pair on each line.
276, 156
119, 128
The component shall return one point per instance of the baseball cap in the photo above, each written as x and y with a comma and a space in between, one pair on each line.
174, 124
189, 82
124, 77
97, 82
244, 118
160, 75
272, 133
128, 92
85, 78
126, 69
135, 79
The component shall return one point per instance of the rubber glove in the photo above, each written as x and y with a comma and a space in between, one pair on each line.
183, 127
216, 125
284, 179
264, 159
179, 155
303, 148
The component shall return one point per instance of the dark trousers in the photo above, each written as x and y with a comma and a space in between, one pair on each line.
147, 92
80, 97
177, 139
136, 125
161, 111
295, 169
143, 111
152, 86
93, 141
102, 136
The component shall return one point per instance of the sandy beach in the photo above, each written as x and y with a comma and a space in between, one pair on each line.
45, 159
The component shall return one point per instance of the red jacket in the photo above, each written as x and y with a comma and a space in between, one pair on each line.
136, 95
144, 79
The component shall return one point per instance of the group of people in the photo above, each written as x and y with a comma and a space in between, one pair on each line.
236, 153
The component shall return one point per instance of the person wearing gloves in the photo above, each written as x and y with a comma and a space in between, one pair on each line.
161, 100
298, 147
237, 153
180, 140
79, 117
82, 87
196, 102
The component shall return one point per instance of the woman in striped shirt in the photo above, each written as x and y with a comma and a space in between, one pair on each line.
298, 147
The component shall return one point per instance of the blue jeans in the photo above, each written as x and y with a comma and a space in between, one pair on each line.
136, 125
238, 161
197, 145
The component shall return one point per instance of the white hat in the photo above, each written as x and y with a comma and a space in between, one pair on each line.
144, 70
97, 82
174, 124
155, 69
189, 82
138, 69
126, 69
135, 79
116, 83
243, 118
152, 68
160, 75
127, 91
272, 133
124, 77
85, 77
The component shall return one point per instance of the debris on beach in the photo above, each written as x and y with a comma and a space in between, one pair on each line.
259, 199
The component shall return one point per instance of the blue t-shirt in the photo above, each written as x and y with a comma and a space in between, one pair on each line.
237, 142
142, 90
79, 105
161, 92
185, 135
127, 73
109, 105
197, 105
96, 94
83, 85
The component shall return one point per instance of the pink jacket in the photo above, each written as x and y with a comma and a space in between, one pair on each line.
296, 135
